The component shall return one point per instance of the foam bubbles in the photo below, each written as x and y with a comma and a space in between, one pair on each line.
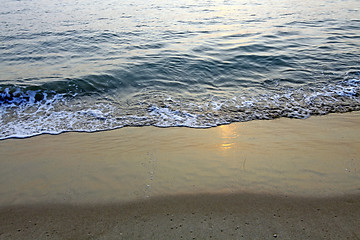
167, 117
15, 96
29, 113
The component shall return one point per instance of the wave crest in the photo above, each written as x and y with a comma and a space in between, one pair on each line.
25, 113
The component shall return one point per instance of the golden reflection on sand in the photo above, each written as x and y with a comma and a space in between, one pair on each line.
229, 135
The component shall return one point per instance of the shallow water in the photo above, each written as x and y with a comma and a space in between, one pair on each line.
96, 65
281, 157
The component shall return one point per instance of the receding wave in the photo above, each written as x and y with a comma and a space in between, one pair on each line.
26, 113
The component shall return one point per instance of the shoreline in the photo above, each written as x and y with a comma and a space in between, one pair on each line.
9, 138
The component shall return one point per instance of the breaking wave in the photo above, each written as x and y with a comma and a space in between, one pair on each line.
25, 113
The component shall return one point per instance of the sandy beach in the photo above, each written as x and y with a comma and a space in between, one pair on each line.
211, 216
284, 178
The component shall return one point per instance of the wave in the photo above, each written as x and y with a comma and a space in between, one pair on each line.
29, 112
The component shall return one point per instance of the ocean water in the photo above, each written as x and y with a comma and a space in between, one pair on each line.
98, 65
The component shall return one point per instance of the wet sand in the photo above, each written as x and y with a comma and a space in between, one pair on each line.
283, 179
209, 216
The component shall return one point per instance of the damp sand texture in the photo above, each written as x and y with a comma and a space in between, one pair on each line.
283, 178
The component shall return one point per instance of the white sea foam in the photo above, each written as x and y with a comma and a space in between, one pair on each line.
23, 114
167, 117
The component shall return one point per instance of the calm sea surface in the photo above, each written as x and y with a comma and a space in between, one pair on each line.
92, 65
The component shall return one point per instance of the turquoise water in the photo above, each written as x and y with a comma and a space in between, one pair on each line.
98, 65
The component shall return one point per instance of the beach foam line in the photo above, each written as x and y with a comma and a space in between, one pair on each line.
26, 113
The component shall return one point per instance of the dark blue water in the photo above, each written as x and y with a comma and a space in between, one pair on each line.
96, 65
